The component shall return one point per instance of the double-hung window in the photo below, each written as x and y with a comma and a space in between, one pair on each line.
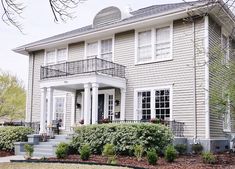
154, 45
144, 46
61, 55
92, 50
162, 104
163, 44
153, 103
50, 57
56, 56
144, 104
106, 49
100, 49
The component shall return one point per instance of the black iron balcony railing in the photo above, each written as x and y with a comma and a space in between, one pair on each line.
176, 127
94, 65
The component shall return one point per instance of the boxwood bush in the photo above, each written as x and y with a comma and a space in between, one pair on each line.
11, 134
123, 136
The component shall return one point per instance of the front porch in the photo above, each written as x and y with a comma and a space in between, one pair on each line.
92, 84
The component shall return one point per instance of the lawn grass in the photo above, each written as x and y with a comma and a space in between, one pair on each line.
53, 166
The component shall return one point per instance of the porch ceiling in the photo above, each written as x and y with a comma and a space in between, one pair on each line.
77, 82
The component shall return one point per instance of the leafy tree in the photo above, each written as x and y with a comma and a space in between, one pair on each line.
12, 97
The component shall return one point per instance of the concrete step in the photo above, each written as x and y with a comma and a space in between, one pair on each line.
43, 154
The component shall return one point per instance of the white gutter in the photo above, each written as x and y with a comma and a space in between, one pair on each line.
123, 26
194, 86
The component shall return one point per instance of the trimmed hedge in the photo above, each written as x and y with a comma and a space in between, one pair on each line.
123, 136
10, 135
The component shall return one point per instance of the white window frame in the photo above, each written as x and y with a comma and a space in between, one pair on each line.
55, 50
65, 110
106, 93
152, 89
153, 42
99, 46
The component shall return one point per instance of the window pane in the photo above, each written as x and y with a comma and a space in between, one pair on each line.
61, 55
59, 109
163, 43
162, 104
106, 49
50, 57
92, 50
144, 104
144, 46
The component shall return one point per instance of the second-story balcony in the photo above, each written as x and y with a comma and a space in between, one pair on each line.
94, 65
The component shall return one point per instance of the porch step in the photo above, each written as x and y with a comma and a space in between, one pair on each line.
47, 149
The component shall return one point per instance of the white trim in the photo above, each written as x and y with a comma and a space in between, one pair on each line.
152, 89
74, 80
207, 112
65, 107
153, 42
105, 92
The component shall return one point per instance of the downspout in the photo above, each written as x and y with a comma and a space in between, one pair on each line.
31, 109
194, 85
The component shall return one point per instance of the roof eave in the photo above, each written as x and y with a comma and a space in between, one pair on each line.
26, 49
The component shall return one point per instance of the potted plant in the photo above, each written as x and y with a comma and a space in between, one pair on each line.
81, 121
155, 120
44, 137
29, 151
106, 120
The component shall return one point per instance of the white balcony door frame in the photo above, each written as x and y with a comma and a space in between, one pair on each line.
106, 93
54, 108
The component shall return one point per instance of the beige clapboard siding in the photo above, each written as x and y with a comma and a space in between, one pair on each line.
216, 122
76, 51
200, 75
29, 90
39, 60
177, 72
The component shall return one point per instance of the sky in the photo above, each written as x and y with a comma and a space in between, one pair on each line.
38, 23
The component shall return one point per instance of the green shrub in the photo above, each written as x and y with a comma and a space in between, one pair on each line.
138, 151
10, 135
85, 152
170, 153
29, 150
208, 158
152, 157
123, 136
109, 151
197, 148
181, 148
62, 150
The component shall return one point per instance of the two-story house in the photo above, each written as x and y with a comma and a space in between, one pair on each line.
133, 67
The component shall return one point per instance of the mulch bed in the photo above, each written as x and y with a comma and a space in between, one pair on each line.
6, 153
224, 161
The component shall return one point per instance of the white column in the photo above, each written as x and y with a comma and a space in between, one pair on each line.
87, 103
73, 95
43, 111
94, 103
123, 104
50, 106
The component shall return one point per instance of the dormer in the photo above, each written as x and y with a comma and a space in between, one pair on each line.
109, 15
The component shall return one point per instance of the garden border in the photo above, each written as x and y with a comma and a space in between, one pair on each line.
73, 162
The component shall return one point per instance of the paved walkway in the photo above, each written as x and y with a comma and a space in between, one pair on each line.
8, 158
